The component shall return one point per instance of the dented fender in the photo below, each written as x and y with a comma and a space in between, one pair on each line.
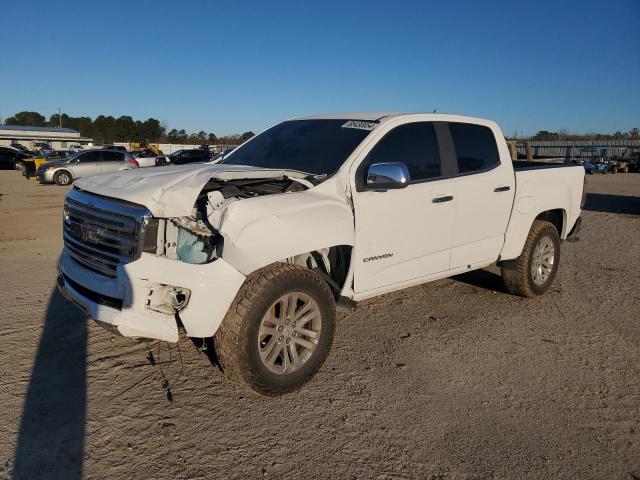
267, 229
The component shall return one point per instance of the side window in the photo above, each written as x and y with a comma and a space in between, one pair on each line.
413, 144
90, 157
476, 148
112, 157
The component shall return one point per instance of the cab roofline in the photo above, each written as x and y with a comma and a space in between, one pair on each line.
386, 116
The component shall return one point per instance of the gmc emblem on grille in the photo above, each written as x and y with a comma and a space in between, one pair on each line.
89, 233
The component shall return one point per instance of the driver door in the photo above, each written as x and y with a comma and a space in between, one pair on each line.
403, 234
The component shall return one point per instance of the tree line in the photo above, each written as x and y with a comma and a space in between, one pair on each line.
107, 129
633, 134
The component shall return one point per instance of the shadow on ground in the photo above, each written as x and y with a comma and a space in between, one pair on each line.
482, 279
52, 426
599, 202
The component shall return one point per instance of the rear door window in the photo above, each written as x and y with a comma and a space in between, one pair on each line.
476, 148
87, 157
112, 156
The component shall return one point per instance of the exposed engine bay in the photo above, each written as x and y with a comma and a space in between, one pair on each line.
196, 238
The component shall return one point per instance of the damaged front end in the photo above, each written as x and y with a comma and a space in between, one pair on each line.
196, 238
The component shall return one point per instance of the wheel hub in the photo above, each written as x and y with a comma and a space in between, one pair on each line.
289, 333
542, 260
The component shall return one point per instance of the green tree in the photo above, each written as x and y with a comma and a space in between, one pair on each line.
246, 136
29, 119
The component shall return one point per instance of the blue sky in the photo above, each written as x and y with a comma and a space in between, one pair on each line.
231, 66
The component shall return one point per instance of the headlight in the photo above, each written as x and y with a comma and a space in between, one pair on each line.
149, 233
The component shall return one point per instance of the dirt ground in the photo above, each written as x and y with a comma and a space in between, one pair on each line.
451, 380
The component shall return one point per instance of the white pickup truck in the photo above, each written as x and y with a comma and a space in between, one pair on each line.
313, 213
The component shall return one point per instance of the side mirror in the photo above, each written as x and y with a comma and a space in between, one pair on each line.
386, 176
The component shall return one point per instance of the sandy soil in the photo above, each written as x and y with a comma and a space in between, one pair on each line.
455, 379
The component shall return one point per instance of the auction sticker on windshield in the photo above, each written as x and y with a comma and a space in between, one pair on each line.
360, 125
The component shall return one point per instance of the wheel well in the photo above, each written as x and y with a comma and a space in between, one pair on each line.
331, 263
556, 217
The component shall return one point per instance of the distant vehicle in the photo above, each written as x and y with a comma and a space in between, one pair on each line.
194, 155
596, 165
76, 148
220, 156
42, 147
13, 158
19, 146
145, 158
114, 147
599, 161
84, 164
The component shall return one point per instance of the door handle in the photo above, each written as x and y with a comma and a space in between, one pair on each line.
442, 199
505, 188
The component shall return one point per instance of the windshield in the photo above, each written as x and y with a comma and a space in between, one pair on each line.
318, 147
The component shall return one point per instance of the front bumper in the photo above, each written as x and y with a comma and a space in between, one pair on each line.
122, 303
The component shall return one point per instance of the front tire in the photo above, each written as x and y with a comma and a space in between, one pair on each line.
62, 178
278, 330
533, 272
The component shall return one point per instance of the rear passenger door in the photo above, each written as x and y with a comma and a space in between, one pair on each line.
88, 163
111, 161
484, 190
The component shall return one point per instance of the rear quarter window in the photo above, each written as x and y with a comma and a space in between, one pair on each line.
476, 148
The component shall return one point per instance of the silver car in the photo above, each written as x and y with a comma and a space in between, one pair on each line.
84, 164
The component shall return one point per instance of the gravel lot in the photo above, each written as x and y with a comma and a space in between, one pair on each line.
455, 379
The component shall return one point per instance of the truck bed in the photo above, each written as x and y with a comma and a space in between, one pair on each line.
520, 165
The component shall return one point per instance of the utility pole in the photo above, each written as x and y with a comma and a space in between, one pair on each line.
59, 117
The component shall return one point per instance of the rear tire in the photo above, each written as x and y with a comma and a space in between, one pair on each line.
62, 178
263, 335
533, 272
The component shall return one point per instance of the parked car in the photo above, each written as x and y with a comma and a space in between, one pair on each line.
12, 158
221, 156
19, 146
122, 148
30, 165
83, 164
599, 164
194, 155
146, 158
311, 214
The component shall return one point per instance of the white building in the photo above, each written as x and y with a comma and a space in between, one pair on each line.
31, 137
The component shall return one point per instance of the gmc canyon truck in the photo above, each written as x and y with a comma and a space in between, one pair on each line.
312, 214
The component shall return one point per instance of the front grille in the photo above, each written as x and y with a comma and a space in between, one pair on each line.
102, 233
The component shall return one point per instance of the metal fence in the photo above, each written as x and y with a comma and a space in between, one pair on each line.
578, 148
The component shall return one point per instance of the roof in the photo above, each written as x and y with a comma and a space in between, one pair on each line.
28, 128
370, 116
383, 117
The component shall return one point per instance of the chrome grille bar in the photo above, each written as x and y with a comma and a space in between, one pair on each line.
102, 233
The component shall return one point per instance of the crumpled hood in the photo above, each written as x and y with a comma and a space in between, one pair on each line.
170, 191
